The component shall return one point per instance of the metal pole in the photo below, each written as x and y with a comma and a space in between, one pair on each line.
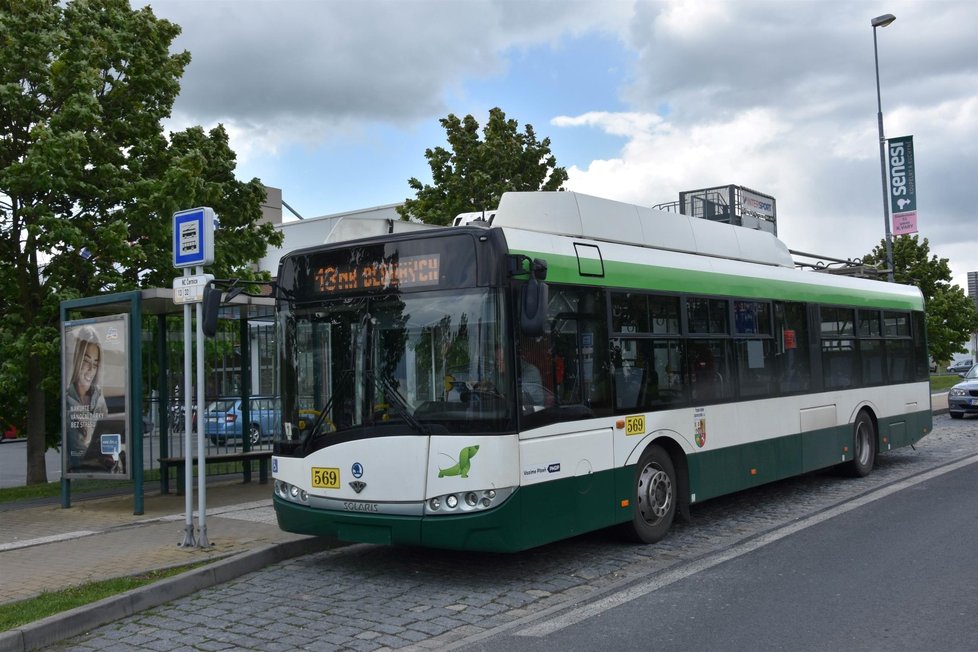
136, 422
188, 462
201, 470
163, 403
886, 207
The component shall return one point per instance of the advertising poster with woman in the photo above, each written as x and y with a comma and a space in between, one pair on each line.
95, 397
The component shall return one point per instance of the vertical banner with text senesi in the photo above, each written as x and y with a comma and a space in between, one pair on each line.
903, 185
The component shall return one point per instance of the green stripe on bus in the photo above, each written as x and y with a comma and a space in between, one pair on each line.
564, 269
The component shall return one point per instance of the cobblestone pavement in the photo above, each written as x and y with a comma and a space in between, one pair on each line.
366, 597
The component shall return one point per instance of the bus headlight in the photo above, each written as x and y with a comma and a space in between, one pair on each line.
470, 501
290, 492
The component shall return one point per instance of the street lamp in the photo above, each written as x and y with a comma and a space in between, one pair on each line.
883, 21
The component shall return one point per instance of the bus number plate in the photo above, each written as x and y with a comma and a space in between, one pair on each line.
325, 478
635, 425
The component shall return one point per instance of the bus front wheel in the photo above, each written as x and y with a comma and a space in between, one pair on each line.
655, 496
863, 446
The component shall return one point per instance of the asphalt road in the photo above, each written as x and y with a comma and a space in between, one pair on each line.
774, 561
13, 464
897, 573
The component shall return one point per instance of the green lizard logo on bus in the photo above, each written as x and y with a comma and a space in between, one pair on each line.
464, 463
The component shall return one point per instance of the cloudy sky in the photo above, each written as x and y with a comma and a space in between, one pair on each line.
335, 101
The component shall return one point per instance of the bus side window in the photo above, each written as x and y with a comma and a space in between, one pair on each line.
644, 374
708, 370
839, 353
791, 334
572, 354
537, 382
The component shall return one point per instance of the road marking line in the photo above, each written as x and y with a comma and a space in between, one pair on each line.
54, 538
575, 616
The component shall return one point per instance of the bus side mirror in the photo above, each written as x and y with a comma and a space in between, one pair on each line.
533, 307
211, 307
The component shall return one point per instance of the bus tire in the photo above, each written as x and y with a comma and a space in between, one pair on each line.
863, 446
655, 496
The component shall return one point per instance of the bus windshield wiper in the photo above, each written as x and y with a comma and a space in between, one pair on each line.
391, 394
324, 411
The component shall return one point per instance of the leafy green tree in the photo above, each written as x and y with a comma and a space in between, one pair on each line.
474, 174
89, 182
951, 315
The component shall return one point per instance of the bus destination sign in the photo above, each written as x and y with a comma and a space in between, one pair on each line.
406, 272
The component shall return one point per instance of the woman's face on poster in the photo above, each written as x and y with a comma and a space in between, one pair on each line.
89, 368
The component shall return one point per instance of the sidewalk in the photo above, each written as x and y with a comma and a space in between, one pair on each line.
49, 548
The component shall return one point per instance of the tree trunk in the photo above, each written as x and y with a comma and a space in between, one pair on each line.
36, 445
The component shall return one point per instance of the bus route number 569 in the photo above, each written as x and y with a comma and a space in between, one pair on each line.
325, 477
635, 425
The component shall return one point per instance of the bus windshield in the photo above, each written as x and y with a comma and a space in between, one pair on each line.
424, 362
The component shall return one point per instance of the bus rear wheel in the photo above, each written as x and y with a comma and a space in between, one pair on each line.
655, 497
863, 446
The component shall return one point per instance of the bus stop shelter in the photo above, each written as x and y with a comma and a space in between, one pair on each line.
141, 370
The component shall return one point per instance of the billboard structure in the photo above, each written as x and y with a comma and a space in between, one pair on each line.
730, 204
95, 397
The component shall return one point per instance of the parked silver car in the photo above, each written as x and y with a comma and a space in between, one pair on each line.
960, 367
223, 420
962, 399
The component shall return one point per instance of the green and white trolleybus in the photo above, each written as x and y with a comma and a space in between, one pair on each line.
568, 363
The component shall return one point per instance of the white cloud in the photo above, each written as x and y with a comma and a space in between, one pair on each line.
314, 68
630, 125
661, 158
781, 97
828, 191
777, 96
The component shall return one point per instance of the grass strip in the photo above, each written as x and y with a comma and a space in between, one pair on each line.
22, 612
943, 383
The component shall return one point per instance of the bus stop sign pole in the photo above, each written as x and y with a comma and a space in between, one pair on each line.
202, 541
193, 246
188, 472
